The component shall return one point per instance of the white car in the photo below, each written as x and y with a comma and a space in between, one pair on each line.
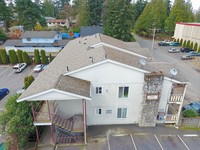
19, 67
38, 68
173, 50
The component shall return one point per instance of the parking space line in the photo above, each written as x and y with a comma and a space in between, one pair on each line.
190, 135
108, 142
158, 142
11, 73
183, 142
133, 142
4, 71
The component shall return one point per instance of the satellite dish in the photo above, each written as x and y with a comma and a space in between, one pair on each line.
142, 61
173, 71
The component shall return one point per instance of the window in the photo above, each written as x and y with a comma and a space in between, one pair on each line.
123, 92
109, 111
121, 112
98, 111
28, 39
98, 90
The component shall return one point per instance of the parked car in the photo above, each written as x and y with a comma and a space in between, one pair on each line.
186, 49
3, 93
175, 44
196, 106
187, 57
193, 53
173, 50
38, 68
19, 67
163, 44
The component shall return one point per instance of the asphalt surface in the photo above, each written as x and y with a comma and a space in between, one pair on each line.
188, 70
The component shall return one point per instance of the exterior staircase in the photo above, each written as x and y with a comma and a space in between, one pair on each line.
64, 130
62, 122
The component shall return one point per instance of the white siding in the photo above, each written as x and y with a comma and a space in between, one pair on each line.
70, 107
110, 77
165, 95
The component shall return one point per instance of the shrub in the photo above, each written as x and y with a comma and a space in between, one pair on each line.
184, 43
27, 81
13, 56
4, 56
26, 58
190, 113
195, 46
0, 60
188, 44
44, 58
50, 58
37, 56
181, 42
191, 45
177, 40
19, 56
199, 49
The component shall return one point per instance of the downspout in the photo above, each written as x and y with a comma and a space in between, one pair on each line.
84, 121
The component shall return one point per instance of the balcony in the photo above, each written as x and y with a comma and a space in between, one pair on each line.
176, 98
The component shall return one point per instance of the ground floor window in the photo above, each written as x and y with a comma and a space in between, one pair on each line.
98, 111
121, 112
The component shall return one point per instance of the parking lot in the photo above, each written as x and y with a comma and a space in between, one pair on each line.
13, 81
135, 138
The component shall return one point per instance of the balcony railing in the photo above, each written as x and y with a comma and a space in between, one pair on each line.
176, 98
171, 118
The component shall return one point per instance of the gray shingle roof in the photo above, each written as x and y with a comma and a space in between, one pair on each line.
39, 34
75, 85
18, 43
164, 67
90, 30
76, 55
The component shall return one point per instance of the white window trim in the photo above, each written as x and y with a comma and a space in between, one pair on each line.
123, 92
96, 111
126, 112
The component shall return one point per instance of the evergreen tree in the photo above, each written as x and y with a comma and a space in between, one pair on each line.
27, 81
139, 7
4, 56
195, 46
50, 58
19, 56
168, 4
192, 45
83, 14
185, 43
118, 19
13, 56
48, 8
37, 56
28, 13
5, 13
180, 12
181, 42
188, 43
44, 59
197, 15
95, 12
26, 58
154, 15
17, 122
3, 36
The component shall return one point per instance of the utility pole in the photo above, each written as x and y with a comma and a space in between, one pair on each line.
152, 46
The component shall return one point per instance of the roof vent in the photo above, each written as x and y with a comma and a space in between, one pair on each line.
85, 39
84, 43
67, 68
79, 42
95, 36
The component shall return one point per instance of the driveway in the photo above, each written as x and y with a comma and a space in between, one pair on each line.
187, 67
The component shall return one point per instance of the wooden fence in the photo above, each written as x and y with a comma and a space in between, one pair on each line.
190, 122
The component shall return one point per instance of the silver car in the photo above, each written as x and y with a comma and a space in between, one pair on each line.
173, 50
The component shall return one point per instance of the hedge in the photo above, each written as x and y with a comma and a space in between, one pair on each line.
44, 59
4, 56
37, 56
26, 58
13, 57
19, 56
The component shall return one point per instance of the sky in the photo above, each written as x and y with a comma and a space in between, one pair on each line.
195, 4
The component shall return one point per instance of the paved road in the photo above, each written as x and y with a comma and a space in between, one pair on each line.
186, 66
13, 81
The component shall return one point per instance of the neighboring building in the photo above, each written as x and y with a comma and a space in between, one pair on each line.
50, 41
16, 32
58, 22
99, 80
90, 30
188, 31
